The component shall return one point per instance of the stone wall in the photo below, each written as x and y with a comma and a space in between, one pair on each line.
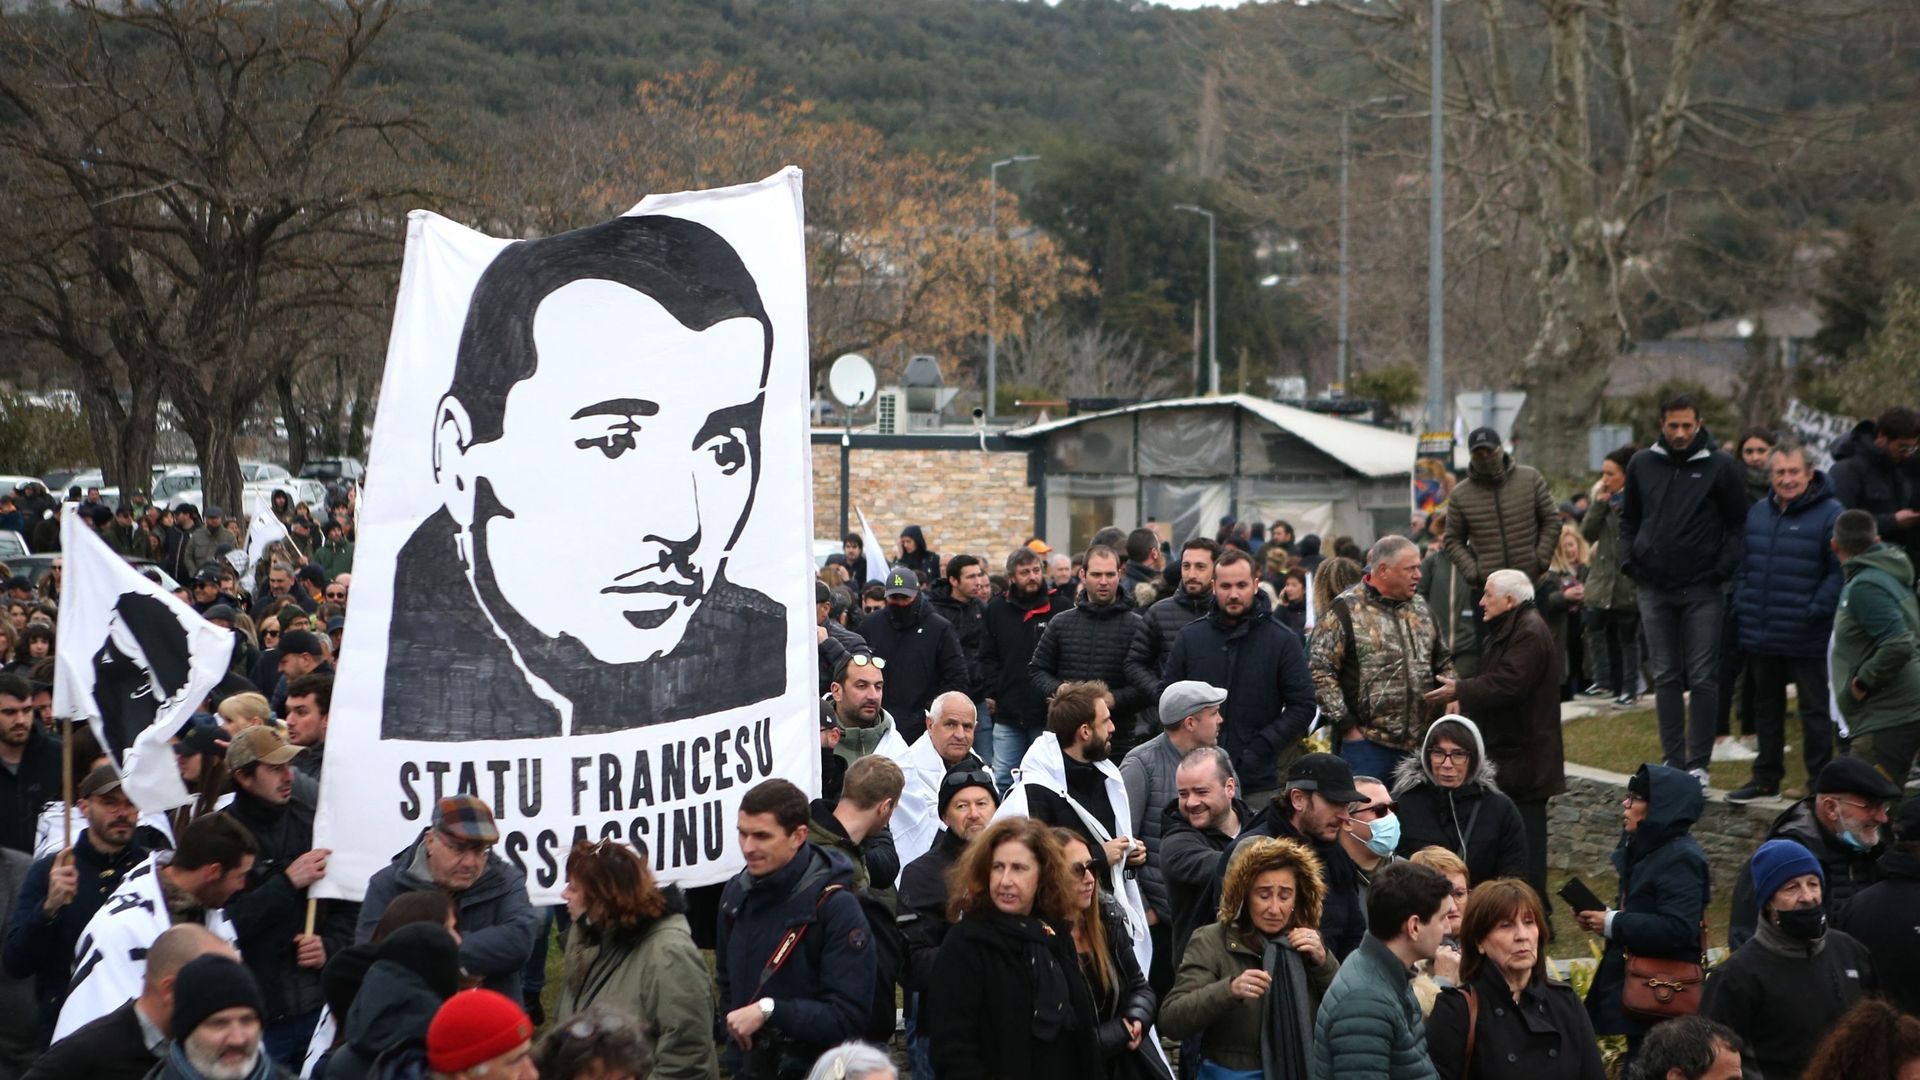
965, 500
1583, 827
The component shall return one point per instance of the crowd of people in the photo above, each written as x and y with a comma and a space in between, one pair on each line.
1075, 818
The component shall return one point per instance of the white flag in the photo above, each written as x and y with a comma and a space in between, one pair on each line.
264, 529
132, 660
876, 555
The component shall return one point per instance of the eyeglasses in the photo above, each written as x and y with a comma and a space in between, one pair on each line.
1865, 807
468, 848
861, 659
1375, 813
1450, 756
1459, 894
1088, 868
336, 595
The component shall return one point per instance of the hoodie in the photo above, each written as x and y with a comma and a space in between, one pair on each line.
1664, 888
925, 564
1876, 642
414, 972
1865, 477
1475, 821
1682, 514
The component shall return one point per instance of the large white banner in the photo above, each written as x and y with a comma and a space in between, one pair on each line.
582, 577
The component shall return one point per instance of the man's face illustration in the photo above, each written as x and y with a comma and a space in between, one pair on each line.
623, 468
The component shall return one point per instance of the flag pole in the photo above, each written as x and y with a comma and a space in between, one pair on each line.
66, 782
311, 905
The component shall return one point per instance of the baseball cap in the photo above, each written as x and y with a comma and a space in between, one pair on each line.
465, 817
214, 511
1039, 546
207, 576
261, 743
1848, 775
201, 734
100, 781
902, 582
1328, 774
301, 641
336, 624
1483, 438
1186, 697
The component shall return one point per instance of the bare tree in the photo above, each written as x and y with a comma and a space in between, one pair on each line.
1051, 355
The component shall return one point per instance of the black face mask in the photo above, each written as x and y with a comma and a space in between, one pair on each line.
1803, 924
901, 617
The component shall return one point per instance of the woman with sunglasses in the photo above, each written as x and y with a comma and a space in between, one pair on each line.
602, 1043
1122, 1000
1250, 984
631, 949
1448, 798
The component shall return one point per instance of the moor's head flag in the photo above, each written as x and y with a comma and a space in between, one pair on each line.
581, 579
133, 660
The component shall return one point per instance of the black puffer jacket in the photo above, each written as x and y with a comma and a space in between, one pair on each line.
1098, 641
1131, 998
1263, 668
1865, 477
1012, 629
924, 660
1682, 515
1170, 615
969, 619
1475, 821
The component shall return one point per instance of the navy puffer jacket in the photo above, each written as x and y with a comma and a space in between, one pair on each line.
1789, 580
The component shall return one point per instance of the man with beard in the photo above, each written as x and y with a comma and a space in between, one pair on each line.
190, 884
633, 354
961, 598
29, 765
1842, 825
1191, 603
128, 1042
63, 891
1261, 666
269, 915
1204, 817
1013, 626
1787, 988
966, 802
217, 1025
922, 651
853, 704
1100, 639
1681, 517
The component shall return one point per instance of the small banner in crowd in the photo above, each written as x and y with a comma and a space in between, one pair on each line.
1817, 431
582, 581
262, 532
131, 659
876, 554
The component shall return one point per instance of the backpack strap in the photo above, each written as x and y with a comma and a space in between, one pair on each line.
784, 950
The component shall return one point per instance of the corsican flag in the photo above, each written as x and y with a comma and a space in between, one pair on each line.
133, 660
877, 559
264, 529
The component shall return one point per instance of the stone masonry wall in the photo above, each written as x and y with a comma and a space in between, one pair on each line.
1583, 827
964, 500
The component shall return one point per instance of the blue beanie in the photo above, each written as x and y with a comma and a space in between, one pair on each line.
1778, 862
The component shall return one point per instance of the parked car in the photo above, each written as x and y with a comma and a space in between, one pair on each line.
331, 469
12, 483
12, 546
35, 567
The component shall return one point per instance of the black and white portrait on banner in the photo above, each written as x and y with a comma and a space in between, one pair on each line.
581, 580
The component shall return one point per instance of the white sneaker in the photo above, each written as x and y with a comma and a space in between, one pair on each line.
1733, 750
1700, 775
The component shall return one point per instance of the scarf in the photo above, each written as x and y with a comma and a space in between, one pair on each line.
1286, 1029
177, 1067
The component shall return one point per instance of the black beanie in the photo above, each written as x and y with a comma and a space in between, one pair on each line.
340, 980
427, 950
208, 984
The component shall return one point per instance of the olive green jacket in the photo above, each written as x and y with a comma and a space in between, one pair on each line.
656, 974
1202, 1000
1607, 588
1876, 641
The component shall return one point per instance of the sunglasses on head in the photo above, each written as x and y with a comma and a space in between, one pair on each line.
861, 659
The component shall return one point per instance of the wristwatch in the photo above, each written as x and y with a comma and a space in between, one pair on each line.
766, 1008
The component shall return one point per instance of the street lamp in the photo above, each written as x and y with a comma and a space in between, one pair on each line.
993, 292
1213, 322
1436, 238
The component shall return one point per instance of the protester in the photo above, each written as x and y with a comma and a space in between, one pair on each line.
1611, 603
480, 1033
1014, 624
269, 914
1375, 651
853, 704
599, 1043
309, 701
1869, 473
29, 765
1190, 719
1145, 562
1793, 982
947, 745
190, 884
1448, 798
1680, 518
1665, 888
1784, 595
1369, 1021
1560, 594
238, 712
217, 1025
1189, 603
1449, 596
1501, 516
204, 543
855, 550
1100, 639
922, 651
62, 892
1370, 832
1006, 997
778, 1021
1840, 825
1885, 916
1202, 820
855, 824
1689, 1048
1876, 647
1250, 983
1503, 959
913, 554
126, 1044
1123, 1003
1432, 976
1873, 1039
855, 1061
1260, 664
455, 854
1311, 809
966, 804
960, 597
631, 950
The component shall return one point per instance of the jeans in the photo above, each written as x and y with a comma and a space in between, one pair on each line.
1533, 818
919, 1045
285, 1041
1683, 639
1369, 758
1616, 649
1809, 675
1736, 679
983, 734
1010, 742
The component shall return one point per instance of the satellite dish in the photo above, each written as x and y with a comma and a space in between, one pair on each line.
851, 380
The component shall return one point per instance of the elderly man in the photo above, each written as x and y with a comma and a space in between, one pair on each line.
127, 1043
1842, 824
217, 1025
1515, 701
966, 802
946, 746
1373, 653
455, 855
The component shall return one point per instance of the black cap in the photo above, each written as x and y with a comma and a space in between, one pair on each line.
1854, 776
301, 641
336, 624
214, 511
1906, 825
97, 513
1483, 437
1328, 774
210, 984
902, 582
958, 780
207, 577
201, 735
219, 612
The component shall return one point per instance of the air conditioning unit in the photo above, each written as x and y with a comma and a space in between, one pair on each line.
890, 411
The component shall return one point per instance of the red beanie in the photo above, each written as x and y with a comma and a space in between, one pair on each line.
473, 1027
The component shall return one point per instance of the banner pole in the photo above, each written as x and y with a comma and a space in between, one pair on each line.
311, 905
66, 782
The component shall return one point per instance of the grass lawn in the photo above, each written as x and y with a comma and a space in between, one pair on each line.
1622, 741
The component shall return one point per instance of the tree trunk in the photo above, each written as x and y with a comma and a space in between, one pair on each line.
214, 436
296, 426
1566, 369
123, 431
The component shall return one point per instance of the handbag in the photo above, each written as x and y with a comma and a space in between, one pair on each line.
1658, 989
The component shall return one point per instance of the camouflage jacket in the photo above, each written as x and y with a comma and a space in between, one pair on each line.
1372, 659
